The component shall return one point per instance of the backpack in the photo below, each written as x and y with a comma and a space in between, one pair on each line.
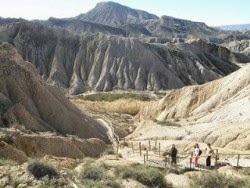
200, 152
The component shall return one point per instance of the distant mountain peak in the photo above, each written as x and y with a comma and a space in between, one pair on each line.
114, 14
238, 27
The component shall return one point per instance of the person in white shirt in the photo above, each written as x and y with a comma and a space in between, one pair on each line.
196, 155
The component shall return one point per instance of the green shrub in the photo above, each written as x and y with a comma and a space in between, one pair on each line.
8, 138
47, 182
176, 51
148, 176
218, 180
94, 175
39, 170
88, 183
114, 183
7, 162
167, 123
245, 171
110, 97
178, 171
110, 151
92, 172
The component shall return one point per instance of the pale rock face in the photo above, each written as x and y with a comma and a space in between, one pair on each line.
218, 100
40, 145
216, 112
9, 152
242, 46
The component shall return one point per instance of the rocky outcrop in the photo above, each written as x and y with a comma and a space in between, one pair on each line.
103, 62
18, 146
242, 46
40, 145
9, 152
26, 99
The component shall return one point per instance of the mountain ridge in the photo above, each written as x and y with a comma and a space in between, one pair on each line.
236, 27
105, 62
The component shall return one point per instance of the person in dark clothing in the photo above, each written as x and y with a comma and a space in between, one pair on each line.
210, 152
173, 154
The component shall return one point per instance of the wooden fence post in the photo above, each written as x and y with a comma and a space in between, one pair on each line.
216, 157
140, 147
144, 158
117, 149
238, 160
149, 145
133, 147
159, 148
190, 161
147, 154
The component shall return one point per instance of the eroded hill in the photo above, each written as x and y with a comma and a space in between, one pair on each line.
216, 112
27, 100
104, 62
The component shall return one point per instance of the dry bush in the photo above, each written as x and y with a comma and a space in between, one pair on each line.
39, 170
148, 176
215, 179
122, 106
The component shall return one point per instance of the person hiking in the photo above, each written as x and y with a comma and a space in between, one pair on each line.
173, 154
196, 154
209, 154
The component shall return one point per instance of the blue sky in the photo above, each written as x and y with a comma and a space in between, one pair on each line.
212, 12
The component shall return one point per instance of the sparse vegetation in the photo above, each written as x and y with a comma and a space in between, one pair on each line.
8, 138
7, 162
123, 103
176, 51
92, 172
167, 123
178, 170
176, 119
215, 179
18, 126
146, 175
110, 151
47, 182
12, 182
245, 171
122, 106
111, 97
94, 175
39, 170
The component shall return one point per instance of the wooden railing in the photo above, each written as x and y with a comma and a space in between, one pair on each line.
152, 152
